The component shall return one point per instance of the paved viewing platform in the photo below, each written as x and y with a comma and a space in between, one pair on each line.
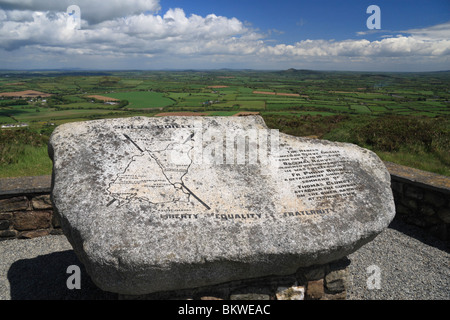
413, 265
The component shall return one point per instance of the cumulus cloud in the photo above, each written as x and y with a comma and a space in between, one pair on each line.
388, 47
133, 29
440, 31
92, 11
173, 32
175, 24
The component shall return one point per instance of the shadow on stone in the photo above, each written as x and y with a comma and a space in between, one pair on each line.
45, 277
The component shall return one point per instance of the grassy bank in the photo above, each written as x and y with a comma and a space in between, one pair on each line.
23, 152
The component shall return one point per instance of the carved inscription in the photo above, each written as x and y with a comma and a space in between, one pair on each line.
311, 174
316, 174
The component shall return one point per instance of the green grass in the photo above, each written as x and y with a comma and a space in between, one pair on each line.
360, 109
84, 105
179, 95
33, 161
30, 115
296, 113
6, 120
23, 152
422, 160
142, 99
195, 99
242, 105
222, 113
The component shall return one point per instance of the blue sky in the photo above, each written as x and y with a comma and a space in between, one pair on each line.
320, 19
156, 34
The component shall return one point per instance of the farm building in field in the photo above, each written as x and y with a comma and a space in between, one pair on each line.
10, 126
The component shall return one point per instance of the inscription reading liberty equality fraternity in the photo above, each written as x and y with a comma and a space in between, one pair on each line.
316, 174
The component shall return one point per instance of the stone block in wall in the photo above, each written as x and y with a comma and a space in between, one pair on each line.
315, 290
427, 210
4, 224
5, 215
32, 220
435, 199
444, 214
56, 221
336, 278
414, 193
291, 293
208, 298
14, 204
56, 232
6, 234
335, 281
335, 296
41, 202
401, 209
410, 203
33, 234
250, 296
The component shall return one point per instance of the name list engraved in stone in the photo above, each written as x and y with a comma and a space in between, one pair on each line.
316, 175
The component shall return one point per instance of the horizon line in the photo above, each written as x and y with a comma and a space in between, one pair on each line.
205, 70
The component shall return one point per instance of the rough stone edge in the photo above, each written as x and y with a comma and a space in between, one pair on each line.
418, 177
25, 185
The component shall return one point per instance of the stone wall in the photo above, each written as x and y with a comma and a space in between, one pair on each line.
422, 199
25, 208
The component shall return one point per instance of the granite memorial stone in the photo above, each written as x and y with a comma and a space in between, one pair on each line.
158, 204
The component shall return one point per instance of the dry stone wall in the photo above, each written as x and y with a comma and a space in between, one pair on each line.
422, 199
25, 208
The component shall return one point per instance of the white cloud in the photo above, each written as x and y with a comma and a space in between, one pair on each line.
172, 33
388, 47
94, 11
175, 24
437, 32
126, 32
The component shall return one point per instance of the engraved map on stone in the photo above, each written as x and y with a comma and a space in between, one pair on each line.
177, 216
154, 176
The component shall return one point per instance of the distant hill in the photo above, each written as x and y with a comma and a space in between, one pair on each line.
301, 71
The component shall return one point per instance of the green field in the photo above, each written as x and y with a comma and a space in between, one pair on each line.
330, 105
142, 99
